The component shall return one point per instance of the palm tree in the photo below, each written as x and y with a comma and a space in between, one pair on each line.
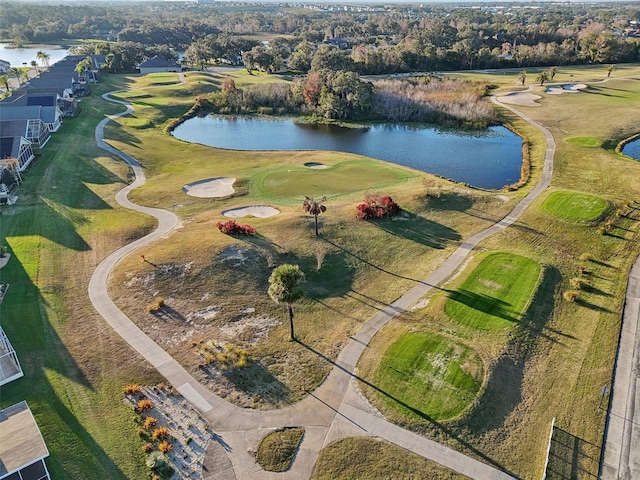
4, 79
542, 77
43, 57
610, 69
552, 73
284, 287
314, 208
17, 74
34, 65
523, 76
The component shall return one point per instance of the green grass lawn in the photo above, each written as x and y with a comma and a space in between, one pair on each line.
496, 293
577, 206
551, 362
589, 142
333, 181
427, 374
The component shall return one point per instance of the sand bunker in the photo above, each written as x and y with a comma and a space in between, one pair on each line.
315, 165
210, 188
571, 88
524, 99
260, 211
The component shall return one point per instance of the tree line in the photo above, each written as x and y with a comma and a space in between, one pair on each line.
378, 40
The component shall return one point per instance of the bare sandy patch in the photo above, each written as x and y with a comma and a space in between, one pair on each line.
210, 188
571, 88
316, 165
523, 99
489, 283
260, 211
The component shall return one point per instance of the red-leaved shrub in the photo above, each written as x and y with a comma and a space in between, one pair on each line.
377, 207
232, 228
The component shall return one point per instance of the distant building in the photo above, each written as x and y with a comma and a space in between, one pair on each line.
4, 66
22, 448
158, 64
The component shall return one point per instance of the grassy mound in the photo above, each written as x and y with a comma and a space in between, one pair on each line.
430, 374
277, 449
576, 206
496, 293
375, 460
590, 142
339, 179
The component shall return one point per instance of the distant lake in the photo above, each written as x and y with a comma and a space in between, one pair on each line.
632, 149
18, 56
488, 159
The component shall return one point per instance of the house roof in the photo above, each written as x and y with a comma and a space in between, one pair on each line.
158, 62
21, 442
9, 147
29, 99
18, 112
13, 128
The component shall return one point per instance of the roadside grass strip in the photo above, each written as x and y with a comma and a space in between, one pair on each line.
430, 374
494, 296
580, 207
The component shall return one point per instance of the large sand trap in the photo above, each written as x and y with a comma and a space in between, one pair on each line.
315, 165
260, 211
210, 188
571, 88
524, 99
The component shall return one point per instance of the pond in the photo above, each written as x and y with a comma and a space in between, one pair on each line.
489, 159
18, 56
632, 149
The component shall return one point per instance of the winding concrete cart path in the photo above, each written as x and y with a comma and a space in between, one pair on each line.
336, 409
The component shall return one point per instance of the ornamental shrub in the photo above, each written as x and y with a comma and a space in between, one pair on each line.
149, 422
377, 207
231, 227
165, 447
132, 389
144, 405
160, 433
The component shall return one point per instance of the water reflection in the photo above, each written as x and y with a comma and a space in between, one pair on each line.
488, 159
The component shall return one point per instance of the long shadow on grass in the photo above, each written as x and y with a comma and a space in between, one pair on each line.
447, 431
59, 226
453, 201
363, 260
255, 380
571, 457
42, 355
483, 303
419, 230
503, 391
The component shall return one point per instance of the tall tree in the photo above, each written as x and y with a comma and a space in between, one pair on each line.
34, 65
314, 207
610, 69
43, 57
552, 73
284, 287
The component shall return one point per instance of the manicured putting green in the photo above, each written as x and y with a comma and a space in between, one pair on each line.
576, 206
343, 178
496, 293
430, 374
590, 142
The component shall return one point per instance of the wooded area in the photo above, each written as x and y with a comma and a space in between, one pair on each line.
371, 39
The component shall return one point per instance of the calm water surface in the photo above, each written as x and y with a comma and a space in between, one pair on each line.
491, 159
17, 56
632, 149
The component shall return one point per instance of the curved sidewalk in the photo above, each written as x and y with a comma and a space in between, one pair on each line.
328, 413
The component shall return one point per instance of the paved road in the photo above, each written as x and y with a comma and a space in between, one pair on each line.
622, 436
336, 409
